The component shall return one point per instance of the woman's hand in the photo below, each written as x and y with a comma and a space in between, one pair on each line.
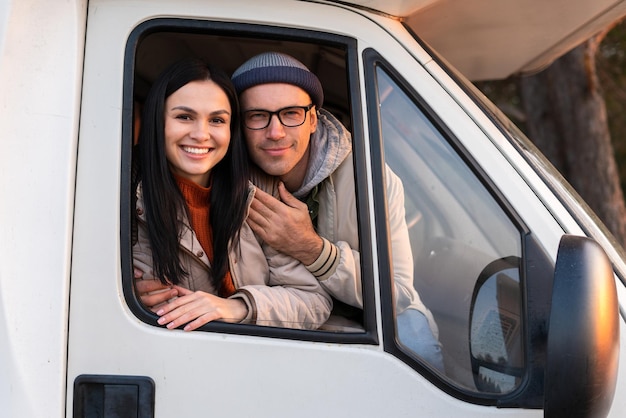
198, 308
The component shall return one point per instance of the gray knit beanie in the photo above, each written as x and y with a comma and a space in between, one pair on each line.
274, 67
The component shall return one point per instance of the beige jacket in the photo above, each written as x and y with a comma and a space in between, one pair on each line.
337, 222
278, 290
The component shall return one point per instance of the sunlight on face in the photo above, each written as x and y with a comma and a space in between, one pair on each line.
278, 150
197, 129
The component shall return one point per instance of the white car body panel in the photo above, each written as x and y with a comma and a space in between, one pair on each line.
522, 36
62, 305
41, 47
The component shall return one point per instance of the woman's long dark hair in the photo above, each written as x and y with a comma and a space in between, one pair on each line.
163, 200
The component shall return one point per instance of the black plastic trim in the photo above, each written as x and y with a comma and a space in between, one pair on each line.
112, 395
583, 346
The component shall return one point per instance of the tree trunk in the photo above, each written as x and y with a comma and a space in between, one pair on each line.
566, 118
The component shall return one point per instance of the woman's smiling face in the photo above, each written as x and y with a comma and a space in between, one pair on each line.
197, 130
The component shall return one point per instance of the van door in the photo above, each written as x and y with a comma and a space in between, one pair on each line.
118, 356
471, 220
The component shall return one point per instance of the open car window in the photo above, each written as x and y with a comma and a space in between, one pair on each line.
155, 44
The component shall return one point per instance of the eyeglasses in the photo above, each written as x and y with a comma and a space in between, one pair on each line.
289, 117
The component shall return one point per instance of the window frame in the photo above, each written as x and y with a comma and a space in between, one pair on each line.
215, 28
535, 294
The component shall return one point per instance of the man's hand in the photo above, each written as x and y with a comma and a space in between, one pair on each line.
285, 225
152, 293
198, 308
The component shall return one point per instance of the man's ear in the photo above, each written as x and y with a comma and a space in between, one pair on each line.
313, 118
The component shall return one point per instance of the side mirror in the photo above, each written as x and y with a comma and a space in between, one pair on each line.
496, 349
583, 332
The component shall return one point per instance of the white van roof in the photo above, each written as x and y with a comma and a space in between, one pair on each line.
493, 39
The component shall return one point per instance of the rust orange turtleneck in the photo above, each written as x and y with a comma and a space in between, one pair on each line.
198, 200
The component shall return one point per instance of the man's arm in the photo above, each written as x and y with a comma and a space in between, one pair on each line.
286, 226
406, 295
151, 292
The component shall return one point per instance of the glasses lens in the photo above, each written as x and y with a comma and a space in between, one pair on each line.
292, 116
257, 119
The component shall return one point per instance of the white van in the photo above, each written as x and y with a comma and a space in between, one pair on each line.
526, 287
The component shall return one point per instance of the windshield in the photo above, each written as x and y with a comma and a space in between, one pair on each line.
571, 200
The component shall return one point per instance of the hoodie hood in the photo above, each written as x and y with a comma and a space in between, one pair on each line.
330, 144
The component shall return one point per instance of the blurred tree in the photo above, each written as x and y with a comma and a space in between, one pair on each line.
611, 66
563, 110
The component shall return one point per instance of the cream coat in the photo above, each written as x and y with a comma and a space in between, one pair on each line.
337, 222
278, 290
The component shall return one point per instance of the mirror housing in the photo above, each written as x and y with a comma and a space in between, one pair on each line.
583, 333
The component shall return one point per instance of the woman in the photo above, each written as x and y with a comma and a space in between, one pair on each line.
193, 197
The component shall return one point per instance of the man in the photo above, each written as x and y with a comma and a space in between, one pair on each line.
307, 153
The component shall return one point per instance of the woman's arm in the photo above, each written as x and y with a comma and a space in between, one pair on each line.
283, 293
198, 308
